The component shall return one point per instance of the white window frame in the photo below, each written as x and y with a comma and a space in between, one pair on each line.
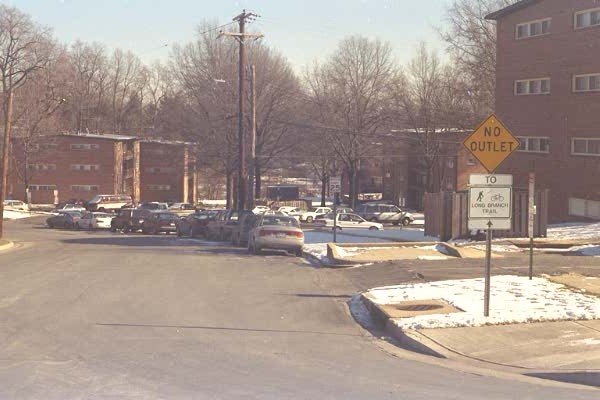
85, 167
586, 154
84, 188
528, 25
528, 81
575, 90
159, 188
42, 167
525, 140
577, 13
84, 146
36, 188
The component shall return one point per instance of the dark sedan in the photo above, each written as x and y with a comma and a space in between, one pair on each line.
160, 222
64, 219
194, 224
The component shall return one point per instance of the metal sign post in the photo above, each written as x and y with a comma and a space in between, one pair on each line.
531, 220
488, 270
336, 198
490, 208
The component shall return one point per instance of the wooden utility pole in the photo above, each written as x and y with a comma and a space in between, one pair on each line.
252, 139
241, 38
6, 146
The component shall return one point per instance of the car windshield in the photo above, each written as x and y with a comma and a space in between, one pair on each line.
279, 221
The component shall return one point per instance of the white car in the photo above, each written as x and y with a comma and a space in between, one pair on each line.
276, 232
348, 221
72, 207
16, 205
260, 209
94, 220
313, 213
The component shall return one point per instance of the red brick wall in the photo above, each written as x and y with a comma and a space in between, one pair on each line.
159, 155
559, 115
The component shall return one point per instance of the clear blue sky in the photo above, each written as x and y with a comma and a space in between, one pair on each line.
303, 30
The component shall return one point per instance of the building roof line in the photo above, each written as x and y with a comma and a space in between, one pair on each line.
510, 9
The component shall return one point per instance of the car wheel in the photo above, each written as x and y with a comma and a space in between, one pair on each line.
299, 252
373, 228
309, 219
50, 225
396, 223
257, 250
102, 209
113, 229
405, 221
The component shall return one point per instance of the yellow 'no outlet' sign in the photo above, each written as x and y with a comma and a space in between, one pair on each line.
491, 143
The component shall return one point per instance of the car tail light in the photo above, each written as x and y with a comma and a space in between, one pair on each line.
296, 234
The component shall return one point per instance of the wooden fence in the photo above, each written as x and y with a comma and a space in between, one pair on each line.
446, 215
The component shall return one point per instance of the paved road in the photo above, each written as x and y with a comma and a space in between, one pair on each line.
101, 316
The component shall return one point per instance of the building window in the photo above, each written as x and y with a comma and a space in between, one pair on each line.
532, 86
160, 170
85, 146
533, 28
587, 18
471, 161
85, 167
42, 167
531, 144
84, 188
159, 187
40, 188
586, 83
450, 163
585, 146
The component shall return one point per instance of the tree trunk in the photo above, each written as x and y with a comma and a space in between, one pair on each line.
352, 185
229, 190
257, 181
7, 128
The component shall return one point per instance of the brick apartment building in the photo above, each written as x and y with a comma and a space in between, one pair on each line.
80, 166
548, 94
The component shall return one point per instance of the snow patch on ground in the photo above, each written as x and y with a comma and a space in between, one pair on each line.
514, 300
574, 230
498, 248
10, 214
317, 250
587, 342
432, 258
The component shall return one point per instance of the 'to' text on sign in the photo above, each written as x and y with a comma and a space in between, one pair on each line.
491, 143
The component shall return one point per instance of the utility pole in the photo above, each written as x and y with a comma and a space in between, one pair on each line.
252, 138
241, 38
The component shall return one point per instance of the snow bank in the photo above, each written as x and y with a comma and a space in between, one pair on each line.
317, 250
514, 300
576, 230
12, 214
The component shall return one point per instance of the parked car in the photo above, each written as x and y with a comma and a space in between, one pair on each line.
182, 207
160, 221
276, 232
310, 215
340, 210
260, 209
64, 219
15, 205
153, 206
194, 224
348, 221
72, 207
240, 231
108, 202
384, 213
94, 220
220, 227
129, 220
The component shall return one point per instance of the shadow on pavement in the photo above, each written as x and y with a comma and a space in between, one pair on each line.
223, 328
317, 295
581, 378
134, 241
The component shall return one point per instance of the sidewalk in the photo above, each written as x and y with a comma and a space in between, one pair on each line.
564, 343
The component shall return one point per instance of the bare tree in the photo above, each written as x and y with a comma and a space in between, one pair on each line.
434, 104
127, 79
23, 50
471, 42
352, 92
36, 104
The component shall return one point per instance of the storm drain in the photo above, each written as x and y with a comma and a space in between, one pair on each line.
419, 307
412, 308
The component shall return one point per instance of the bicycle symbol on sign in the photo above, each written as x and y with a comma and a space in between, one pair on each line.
497, 198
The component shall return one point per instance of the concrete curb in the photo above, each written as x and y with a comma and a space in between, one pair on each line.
7, 245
